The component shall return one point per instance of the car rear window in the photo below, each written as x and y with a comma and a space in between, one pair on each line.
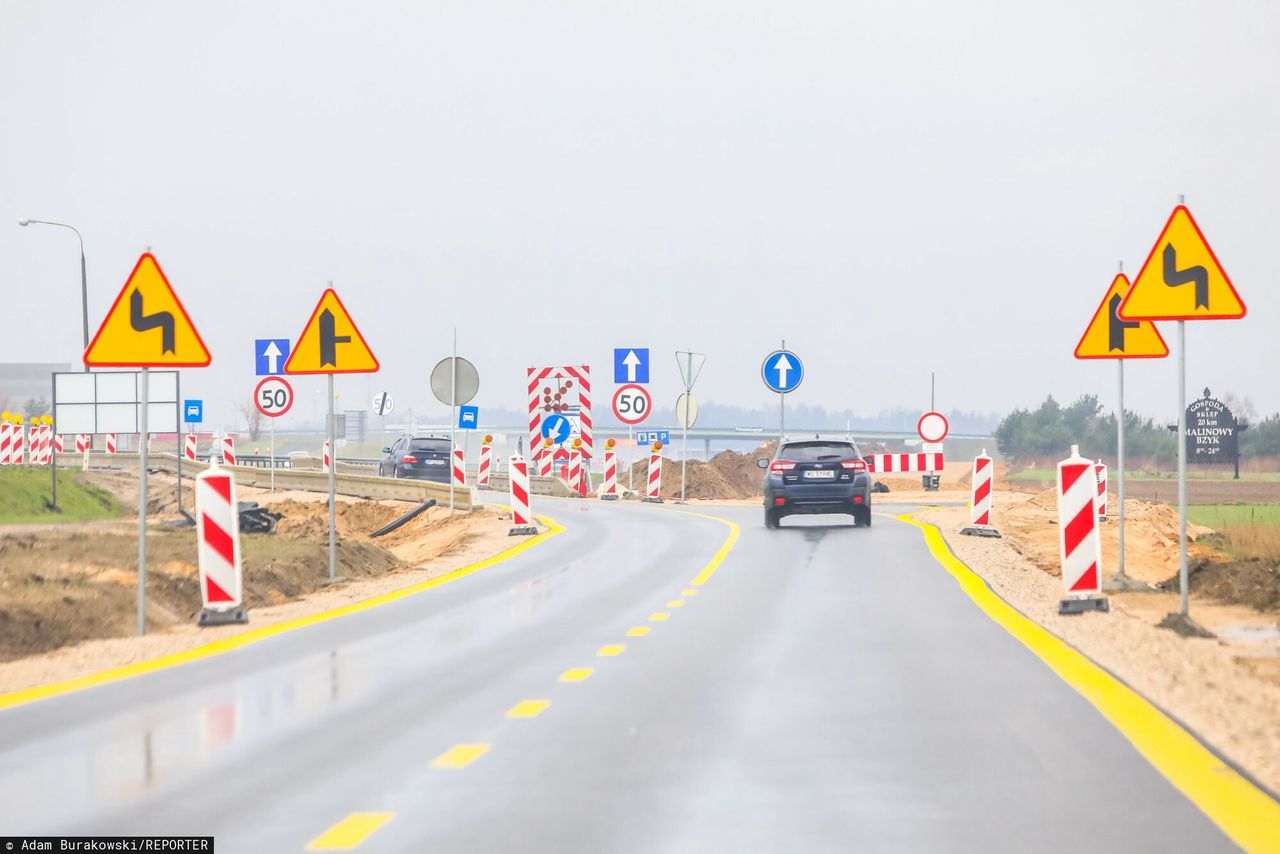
810, 452
440, 446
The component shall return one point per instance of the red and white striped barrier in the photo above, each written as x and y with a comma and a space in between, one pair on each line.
459, 469
46, 444
59, 443
546, 461
1100, 469
575, 471
112, 443
980, 511
1080, 545
521, 513
188, 446
6, 439
655, 476
83, 442
549, 387
484, 467
889, 463
229, 449
17, 445
610, 475
218, 538
326, 457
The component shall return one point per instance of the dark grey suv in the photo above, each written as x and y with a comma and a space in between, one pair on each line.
818, 476
419, 457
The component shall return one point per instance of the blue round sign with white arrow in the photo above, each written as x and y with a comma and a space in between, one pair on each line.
556, 428
782, 371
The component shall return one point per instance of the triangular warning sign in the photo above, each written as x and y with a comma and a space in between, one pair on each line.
330, 343
147, 327
1110, 337
1182, 279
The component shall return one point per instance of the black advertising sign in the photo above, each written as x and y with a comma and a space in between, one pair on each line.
1212, 432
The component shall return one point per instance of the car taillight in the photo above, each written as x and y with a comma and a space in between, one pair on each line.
781, 465
410, 458
855, 465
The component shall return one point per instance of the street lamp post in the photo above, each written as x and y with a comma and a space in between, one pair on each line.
84, 279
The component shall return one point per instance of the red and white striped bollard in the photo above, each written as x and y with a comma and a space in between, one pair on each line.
188, 445
459, 469
610, 491
1100, 469
483, 469
326, 457
655, 474
111, 443
218, 547
229, 449
1079, 537
521, 512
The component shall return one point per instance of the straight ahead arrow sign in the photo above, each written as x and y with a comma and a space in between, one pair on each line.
273, 355
782, 366
632, 361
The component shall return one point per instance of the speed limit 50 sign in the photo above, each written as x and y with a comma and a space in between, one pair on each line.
631, 403
273, 396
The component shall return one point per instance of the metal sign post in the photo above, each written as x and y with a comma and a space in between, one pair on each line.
142, 504
333, 486
453, 409
686, 406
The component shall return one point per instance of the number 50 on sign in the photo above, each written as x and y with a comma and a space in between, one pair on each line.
631, 403
273, 396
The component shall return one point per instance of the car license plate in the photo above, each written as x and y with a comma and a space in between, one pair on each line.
821, 474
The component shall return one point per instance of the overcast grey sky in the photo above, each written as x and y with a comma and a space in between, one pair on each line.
892, 187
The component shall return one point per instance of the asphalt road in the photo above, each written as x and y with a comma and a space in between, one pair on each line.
827, 689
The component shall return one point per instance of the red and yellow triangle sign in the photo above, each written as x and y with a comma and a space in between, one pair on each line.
147, 327
1108, 336
1182, 279
330, 343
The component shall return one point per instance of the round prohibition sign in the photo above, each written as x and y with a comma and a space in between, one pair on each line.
632, 403
273, 396
933, 427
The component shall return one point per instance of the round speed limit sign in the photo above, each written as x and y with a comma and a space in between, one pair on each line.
273, 396
631, 403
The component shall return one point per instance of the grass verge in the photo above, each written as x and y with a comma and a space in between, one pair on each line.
25, 495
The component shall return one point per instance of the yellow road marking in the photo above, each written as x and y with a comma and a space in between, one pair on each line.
718, 558
528, 708
689, 592
659, 617
610, 650
127, 671
1245, 813
638, 631
460, 756
350, 832
676, 603
576, 674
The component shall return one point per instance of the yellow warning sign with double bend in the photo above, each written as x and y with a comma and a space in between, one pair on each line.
147, 327
330, 343
1108, 336
1182, 279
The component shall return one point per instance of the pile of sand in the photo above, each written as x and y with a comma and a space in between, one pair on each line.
727, 475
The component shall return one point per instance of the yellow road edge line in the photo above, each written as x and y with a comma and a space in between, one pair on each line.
676, 603
611, 650
127, 671
576, 674
637, 631
460, 756
350, 832
659, 617
718, 558
528, 708
1245, 813
689, 592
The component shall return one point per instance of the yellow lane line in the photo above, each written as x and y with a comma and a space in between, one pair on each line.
576, 674
53, 689
528, 708
1243, 811
460, 756
350, 832
712, 565
610, 650
676, 603
689, 592
659, 617
637, 631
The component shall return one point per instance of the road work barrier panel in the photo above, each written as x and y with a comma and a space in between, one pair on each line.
218, 547
83, 442
229, 449
111, 443
892, 463
574, 475
326, 457
189, 446
1079, 541
459, 472
521, 511
19, 440
654, 493
60, 443
610, 490
980, 497
1100, 469
485, 469
6, 437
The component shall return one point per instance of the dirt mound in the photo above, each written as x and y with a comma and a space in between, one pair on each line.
1255, 583
727, 475
310, 519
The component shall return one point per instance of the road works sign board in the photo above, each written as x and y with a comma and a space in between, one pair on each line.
147, 327
1181, 278
1108, 336
330, 343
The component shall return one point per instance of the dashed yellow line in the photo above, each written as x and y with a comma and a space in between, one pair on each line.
528, 708
460, 756
659, 617
610, 650
576, 674
350, 832
689, 592
637, 631
676, 603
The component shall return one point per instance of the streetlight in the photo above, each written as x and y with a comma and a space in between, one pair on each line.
84, 280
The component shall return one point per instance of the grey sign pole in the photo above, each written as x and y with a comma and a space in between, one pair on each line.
782, 406
177, 431
1120, 458
333, 486
453, 410
142, 503
1182, 465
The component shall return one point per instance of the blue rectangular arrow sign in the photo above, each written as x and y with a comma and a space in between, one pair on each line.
269, 356
631, 365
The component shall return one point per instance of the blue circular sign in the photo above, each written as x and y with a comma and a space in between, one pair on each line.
782, 371
556, 428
